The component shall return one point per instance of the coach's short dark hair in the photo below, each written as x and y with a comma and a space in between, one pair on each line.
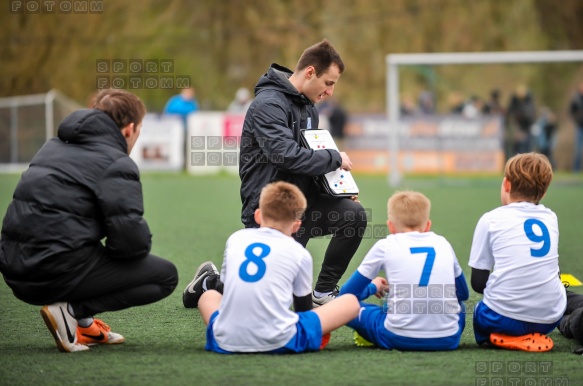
122, 106
321, 55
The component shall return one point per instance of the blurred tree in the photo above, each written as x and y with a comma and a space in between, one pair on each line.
561, 22
228, 44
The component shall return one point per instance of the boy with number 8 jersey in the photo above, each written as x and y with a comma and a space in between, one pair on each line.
515, 262
424, 310
264, 271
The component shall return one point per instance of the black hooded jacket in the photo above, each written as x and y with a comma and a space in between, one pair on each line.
270, 142
79, 188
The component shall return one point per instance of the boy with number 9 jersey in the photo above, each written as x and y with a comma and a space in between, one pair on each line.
264, 271
515, 262
424, 310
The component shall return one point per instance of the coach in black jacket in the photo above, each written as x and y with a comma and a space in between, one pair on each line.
271, 151
81, 188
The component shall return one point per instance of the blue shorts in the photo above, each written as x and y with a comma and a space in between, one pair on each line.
487, 321
370, 324
307, 338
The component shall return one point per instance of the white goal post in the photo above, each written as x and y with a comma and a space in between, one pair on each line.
28, 121
393, 61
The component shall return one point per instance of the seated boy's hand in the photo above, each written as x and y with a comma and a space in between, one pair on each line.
382, 285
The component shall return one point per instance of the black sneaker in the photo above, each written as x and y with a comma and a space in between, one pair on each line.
194, 290
317, 302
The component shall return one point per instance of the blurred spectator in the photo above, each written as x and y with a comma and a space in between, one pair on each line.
182, 104
493, 105
545, 129
522, 115
407, 107
576, 111
473, 107
337, 118
241, 102
426, 103
455, 102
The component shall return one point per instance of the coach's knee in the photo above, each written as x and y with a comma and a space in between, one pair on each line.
168, 274
355, 215
361, 217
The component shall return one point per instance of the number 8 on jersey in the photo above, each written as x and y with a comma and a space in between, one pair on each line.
257, 260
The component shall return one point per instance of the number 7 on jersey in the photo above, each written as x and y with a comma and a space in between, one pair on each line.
428, 266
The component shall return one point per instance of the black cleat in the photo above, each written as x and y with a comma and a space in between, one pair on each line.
194, 289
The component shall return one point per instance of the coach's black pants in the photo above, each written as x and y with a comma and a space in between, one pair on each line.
115, 284
346, 221
571, 325
342, 218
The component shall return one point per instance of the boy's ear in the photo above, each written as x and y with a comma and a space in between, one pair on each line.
257, 216
506, 184
427, 226
296, 226
391, 227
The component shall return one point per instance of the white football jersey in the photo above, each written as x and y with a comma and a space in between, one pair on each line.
262, 270
519, 244
421, 269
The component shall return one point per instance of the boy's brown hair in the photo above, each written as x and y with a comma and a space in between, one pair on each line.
321, 55
409, 209
121, 106
282, 202
530, 175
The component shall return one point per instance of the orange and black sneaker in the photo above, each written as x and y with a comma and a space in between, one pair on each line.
98, 333
534, 342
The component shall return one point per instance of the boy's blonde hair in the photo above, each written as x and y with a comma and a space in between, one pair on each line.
409, 209
530, 175
282, 202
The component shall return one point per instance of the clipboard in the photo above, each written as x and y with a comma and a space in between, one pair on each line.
339, 183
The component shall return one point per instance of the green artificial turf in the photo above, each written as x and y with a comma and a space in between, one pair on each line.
191, 218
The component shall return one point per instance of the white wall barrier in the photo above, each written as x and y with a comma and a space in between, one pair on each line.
160, 146
434, 145
208, 146
213, 142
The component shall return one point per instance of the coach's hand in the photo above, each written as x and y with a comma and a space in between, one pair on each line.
346, 164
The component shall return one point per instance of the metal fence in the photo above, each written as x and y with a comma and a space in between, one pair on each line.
27, 122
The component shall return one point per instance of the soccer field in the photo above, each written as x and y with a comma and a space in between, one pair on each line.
191, 218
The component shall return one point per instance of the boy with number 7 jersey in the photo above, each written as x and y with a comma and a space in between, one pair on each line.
424, 310
264, 271
515, 262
